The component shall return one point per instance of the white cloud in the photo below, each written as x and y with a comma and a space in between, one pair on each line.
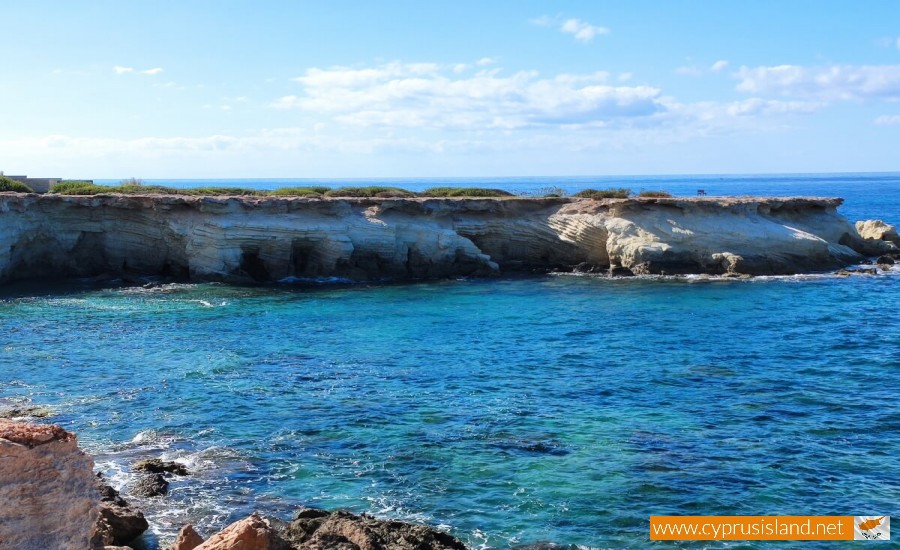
426, 95
888, 120
625, 77
836, 82
689, 70
582, 30
898, 42
118, 69
543, 21
696, 70
484, 61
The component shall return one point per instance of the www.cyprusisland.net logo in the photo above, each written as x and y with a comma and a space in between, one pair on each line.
871, 527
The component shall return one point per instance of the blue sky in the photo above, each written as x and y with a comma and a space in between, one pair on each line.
219, 89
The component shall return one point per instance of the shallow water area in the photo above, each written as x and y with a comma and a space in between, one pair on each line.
559, 408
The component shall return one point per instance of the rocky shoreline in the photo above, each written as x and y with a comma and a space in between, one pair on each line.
51, 498
268, 239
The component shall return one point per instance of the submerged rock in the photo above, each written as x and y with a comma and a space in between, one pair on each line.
48, 496
885, 260
27, 411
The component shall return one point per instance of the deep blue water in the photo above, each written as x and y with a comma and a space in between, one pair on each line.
557, 408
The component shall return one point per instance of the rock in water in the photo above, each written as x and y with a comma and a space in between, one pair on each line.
314, 529
877, 230
153, 485
252, 533
48, 494
159, 466
120, 523
187, 539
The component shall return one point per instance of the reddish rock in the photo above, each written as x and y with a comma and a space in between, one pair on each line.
48, 493
188, 539
252, 533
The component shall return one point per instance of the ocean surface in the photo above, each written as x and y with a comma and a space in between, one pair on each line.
508, 411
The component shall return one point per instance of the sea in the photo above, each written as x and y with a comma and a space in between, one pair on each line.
561, 408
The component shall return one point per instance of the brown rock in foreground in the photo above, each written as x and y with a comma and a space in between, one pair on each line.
314, 529
120, 523
187, 539
252, 533
48, 495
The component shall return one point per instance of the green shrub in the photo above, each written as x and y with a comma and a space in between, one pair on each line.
656, 194
241, 191
552, 192
300, 191
371, 191
464, 192
76, 188
9, 184
611, 193
132, 181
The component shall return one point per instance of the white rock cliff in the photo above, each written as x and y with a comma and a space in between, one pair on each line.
245, 239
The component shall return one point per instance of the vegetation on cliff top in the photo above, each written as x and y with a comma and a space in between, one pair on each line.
9, 184
135, 187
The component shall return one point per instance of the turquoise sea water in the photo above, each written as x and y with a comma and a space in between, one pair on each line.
509, 411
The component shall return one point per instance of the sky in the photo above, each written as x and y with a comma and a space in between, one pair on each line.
355, 89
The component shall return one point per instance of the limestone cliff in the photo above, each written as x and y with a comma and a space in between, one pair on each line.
245, 239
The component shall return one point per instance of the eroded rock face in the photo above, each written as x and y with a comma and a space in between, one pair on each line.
247, 239
48, 496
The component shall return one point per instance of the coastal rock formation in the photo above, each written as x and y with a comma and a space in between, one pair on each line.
120, 523
48, 495
159, 466
314, 529
187, 539
251, 533
877, 230
259, 239
151, 485
878, 237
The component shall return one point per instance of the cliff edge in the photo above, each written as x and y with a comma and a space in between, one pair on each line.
259, 239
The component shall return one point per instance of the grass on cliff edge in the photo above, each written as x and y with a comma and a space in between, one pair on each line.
9, 184
135, 188
86, 188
